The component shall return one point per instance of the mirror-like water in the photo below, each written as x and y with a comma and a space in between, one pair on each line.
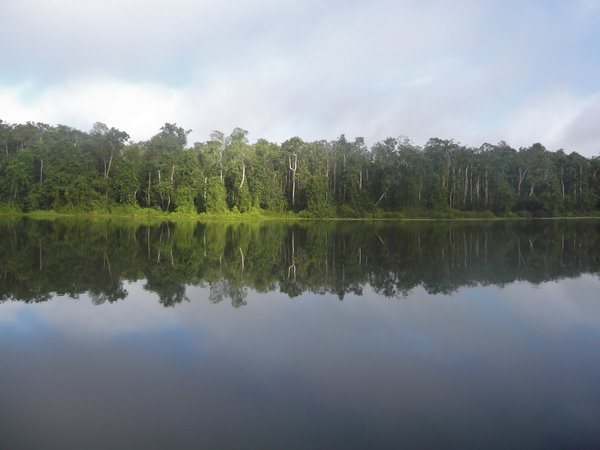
299, 335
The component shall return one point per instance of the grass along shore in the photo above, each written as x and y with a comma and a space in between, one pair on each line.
258, 214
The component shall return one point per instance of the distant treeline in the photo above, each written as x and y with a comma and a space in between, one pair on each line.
60, 168
43, 258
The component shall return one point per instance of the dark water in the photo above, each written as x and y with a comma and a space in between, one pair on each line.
299, 335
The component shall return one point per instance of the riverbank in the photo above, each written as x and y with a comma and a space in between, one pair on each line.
414, 215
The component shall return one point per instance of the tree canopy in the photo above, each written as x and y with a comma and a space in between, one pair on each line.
46, 167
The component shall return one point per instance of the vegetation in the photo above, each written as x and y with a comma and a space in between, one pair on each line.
40, 258
60, 168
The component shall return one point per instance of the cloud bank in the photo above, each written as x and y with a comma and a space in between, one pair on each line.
474, 71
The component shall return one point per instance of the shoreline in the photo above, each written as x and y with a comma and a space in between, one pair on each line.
251, 218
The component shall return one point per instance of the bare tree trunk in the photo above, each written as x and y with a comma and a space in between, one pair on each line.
243, 174
221, 163
107, 168
41, 169
466, 186
487, 196
522, 174
471, 186
327, 180
334, 179
580, 180
293, 171
149, 186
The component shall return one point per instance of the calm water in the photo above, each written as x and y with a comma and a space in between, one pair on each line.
299, 336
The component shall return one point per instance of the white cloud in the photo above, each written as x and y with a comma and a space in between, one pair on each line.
477, 72
558, 119
135, 108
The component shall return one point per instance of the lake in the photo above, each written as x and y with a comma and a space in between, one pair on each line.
299, 335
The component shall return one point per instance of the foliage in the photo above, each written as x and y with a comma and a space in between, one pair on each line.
60, 168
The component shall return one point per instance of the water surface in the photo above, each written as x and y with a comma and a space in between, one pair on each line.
299, 335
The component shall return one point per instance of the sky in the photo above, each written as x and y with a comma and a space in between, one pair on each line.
522, 71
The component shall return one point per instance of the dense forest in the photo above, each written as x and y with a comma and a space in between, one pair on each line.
38, 257
60, 168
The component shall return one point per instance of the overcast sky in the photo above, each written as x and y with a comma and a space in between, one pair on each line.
476, 71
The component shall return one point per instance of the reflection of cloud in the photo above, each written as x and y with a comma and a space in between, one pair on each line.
10, 311
140, 312
420, 317
312, 368
557, 305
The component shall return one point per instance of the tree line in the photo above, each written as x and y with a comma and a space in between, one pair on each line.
38, 258
45, 167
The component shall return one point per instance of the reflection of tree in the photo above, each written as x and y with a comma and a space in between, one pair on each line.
223, 289
41, 258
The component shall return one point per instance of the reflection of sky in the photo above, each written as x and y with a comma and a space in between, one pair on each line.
311, 371
550, 306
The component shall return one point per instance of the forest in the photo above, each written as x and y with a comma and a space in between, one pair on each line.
63, 169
